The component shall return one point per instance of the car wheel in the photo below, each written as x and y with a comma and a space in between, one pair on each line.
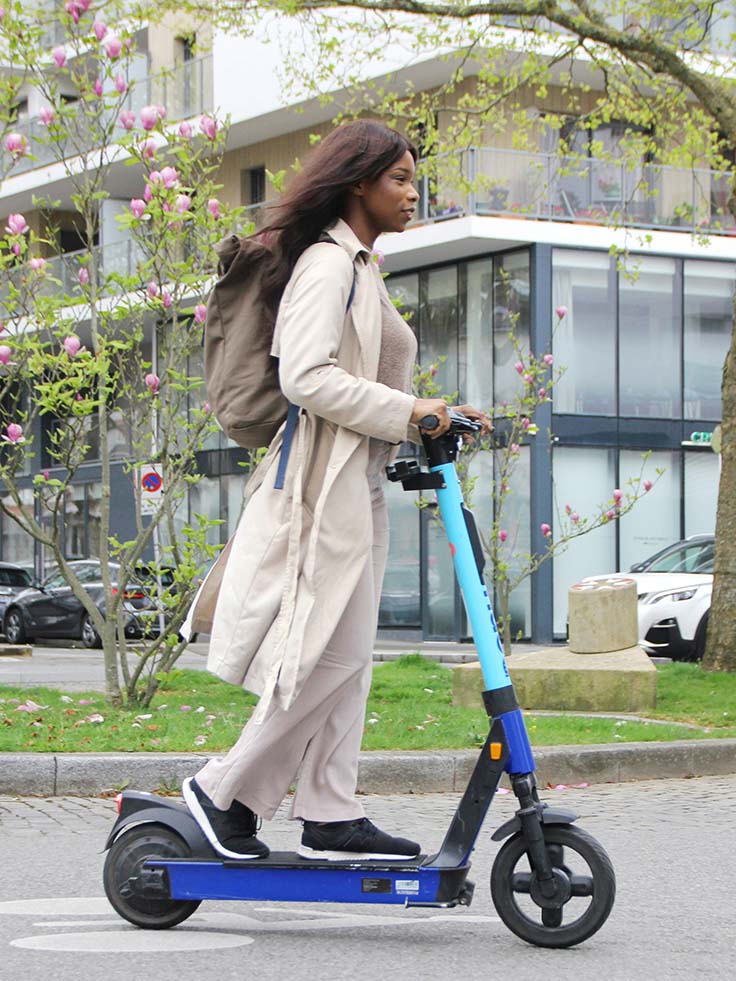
15, 630
701, 635
90, 637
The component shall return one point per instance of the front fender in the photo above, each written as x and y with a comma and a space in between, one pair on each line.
549, 815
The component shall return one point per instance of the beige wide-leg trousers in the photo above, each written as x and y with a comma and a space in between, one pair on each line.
317, 741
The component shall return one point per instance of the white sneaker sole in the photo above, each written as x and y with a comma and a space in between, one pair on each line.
195, 808
304, 851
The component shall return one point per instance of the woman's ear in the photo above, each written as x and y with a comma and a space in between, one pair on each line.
358, 190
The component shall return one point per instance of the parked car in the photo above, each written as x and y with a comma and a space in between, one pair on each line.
674, 589
13, 580
50, 609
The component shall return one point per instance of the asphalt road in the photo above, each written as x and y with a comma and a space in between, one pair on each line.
672, 844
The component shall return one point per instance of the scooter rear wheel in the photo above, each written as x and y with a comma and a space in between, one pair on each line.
124, 864
586, 888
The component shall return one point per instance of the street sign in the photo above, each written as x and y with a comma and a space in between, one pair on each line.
151, 487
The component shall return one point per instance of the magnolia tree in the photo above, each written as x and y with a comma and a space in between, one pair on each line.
96, 351
664, 68
503, 536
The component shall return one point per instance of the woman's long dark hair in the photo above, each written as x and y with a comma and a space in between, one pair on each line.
354, 152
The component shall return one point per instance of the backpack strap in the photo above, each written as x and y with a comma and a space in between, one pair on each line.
292, 415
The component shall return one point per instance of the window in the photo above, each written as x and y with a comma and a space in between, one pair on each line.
584, 340
702, 474
708, 321
253, 185
439, 326
654, 521
511, 291
649, 341
15, 577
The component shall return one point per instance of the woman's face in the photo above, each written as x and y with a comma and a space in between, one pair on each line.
390, 200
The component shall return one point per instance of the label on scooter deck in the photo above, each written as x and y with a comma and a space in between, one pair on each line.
286, 877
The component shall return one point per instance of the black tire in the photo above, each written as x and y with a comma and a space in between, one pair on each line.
124, 860
594, 888
701, 636
88, 633
15, 628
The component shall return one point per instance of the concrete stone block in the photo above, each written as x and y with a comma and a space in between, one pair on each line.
406, 773
28, 774
16, 650
602, 616
556, 678
91, 773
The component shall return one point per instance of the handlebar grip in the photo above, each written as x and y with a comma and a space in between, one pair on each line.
429, 422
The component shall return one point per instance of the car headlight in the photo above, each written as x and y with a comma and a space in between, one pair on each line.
677, 596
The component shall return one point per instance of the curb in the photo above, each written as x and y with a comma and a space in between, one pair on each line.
442, 771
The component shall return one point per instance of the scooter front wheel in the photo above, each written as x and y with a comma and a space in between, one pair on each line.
585, 888
124, 877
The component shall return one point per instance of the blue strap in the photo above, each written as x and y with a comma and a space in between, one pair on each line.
292, 416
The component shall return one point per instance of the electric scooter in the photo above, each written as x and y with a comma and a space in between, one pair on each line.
552, 884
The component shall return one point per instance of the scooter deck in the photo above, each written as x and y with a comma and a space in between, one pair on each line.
286, 877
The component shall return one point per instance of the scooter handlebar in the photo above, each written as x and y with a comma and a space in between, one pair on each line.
458, 423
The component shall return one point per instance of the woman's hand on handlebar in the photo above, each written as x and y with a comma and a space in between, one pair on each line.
477, 416
431, 407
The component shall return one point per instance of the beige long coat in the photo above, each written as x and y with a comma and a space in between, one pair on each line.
295, 559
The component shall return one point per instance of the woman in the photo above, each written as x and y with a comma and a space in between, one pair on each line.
297, 607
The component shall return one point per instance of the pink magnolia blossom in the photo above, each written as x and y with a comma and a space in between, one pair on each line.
647, 485
98, 87
167, 300
15, 433
169, 177
185, 130
149, 117
73, 10
113, 47
183, 203
147, 193
561, 312
59, 56
548, 359
121, 85
542, 393
100, 30
161, 112
37, 263
213, 206
574, 517
200, 313
72, 345
78, 396
45, 474
16, 225
617, 495
152, 381
138, 207
16, 248
5, 354
148, 149
525, 423
545, 529
46, 115
16, 144
152, 290
515, 448
610, 515
519, 367
127, 119
208, 126
155, 177
167, 207
379, 257
83, 276
207, 407
503, 535
528, 379
568, 509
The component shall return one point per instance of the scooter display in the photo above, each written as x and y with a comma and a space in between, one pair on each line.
552, 884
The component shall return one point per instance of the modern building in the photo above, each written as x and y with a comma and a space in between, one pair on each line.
642, 347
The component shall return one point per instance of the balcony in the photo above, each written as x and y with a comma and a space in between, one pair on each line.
185, 91
549, 187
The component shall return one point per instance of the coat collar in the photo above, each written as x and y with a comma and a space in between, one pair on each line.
346, 237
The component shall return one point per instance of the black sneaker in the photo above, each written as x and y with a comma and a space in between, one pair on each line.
341, 841
232, 833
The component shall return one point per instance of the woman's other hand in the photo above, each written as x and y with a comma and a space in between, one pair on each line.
477, 416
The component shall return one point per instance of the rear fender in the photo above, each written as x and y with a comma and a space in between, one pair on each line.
138, 808
549, 815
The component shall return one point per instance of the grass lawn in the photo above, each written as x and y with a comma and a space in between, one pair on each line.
409, 708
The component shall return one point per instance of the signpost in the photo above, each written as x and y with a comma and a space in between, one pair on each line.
151, 487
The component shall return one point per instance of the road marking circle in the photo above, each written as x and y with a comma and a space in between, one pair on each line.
132, 940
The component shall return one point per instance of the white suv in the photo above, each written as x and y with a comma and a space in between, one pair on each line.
674, 590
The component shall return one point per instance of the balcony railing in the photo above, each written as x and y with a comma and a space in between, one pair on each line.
549, 187
185, 91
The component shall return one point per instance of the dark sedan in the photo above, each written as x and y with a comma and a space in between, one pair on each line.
52, 610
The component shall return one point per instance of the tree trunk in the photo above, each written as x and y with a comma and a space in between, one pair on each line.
720, 652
